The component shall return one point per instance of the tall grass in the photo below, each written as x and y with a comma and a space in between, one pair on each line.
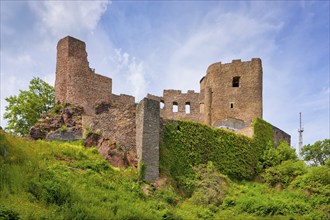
55, 180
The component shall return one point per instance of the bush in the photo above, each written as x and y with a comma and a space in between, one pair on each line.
50, 191
274, 156
211, 186
284, 173
316, 180
167, 194
8, 214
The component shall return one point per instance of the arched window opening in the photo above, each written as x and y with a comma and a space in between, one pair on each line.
187, 107
162, 104
175, 107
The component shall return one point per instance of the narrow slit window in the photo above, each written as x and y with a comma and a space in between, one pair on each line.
187, 107
231, 105
236, 81
175, 107
162, 104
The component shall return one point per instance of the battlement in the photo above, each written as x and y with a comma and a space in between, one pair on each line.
177, 92
216, 66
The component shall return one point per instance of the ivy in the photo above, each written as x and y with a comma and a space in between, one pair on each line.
187, 144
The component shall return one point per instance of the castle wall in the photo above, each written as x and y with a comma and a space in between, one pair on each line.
230, 97
280, 135
187, 105
76, 83
116, 122
224, 100
147, 137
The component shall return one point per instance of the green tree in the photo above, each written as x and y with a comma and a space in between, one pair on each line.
275, 156
24, 110
316, 153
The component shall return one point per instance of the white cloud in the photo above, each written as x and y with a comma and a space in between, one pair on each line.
29, 33
221, 37
60, 18
128, 74
172, 49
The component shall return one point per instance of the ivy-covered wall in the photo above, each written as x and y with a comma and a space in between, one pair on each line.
187, 144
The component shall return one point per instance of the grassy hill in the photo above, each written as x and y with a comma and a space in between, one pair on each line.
56, 180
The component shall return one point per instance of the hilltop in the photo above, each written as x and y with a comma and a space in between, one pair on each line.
64, 180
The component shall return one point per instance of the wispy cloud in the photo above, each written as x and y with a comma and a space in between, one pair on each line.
60, 18
169, 45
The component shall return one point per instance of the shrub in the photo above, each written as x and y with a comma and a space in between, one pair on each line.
284, 173
50, 189
211, 186
316, 180
8, 214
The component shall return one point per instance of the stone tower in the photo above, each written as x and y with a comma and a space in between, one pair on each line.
231, 94
76, 83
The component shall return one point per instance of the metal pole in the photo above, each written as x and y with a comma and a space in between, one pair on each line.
300, 131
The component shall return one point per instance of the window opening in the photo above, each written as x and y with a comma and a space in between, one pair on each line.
231, 105
236, 81
175, 107
187, 107
162, 104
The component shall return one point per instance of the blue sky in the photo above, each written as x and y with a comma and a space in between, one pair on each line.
148, 46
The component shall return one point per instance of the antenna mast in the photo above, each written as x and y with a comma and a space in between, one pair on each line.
300, 131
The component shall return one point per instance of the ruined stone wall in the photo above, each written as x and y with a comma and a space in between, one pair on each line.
147, 137
280, 135
232, 90
116, 121
76, 83
187, 105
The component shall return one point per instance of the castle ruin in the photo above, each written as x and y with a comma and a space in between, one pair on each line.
230, 97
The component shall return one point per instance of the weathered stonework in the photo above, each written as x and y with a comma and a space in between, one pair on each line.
230, 97
147, 137
117, 123
187, 105
76, 83
280, 135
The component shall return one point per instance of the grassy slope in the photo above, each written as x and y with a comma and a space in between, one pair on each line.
53, 180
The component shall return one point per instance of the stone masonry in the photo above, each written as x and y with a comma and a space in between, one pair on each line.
76, 83
230, 97
147, 137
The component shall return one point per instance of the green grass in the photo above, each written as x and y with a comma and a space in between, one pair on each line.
56, 180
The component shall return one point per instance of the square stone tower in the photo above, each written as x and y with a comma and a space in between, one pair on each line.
231, 94
76, 83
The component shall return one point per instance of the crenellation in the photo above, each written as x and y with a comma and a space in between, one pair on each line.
236, 61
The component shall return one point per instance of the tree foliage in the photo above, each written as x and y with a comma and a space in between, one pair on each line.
24, 110
316, 153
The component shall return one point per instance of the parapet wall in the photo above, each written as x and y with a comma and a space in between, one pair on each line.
180, 106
